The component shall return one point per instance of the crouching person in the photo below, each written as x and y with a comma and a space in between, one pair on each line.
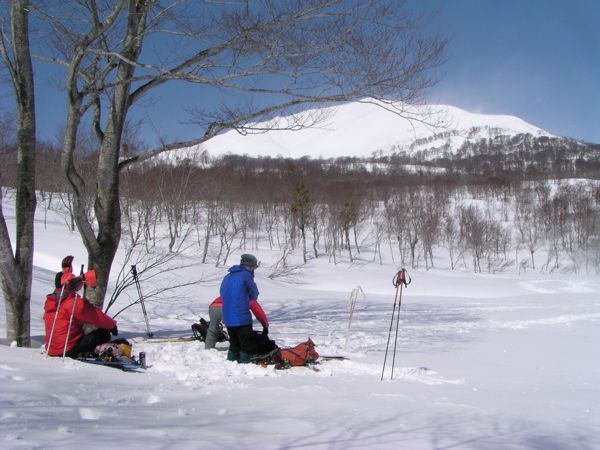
239, 294
215, 314
61, 328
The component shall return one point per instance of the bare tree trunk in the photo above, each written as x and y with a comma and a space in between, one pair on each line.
102, 246
303, 232
356, 239
347, 237
16, 271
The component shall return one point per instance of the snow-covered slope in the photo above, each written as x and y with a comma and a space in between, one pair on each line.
361, 128
484, 361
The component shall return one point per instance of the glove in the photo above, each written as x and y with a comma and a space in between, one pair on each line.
114, 331
265, 331
75, 284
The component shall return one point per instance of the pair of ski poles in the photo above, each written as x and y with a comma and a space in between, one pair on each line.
141, 299
60, 299
400, 280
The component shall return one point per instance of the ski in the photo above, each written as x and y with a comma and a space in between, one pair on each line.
180, 339
333, 358
122, 365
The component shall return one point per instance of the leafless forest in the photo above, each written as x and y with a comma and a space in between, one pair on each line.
535, 214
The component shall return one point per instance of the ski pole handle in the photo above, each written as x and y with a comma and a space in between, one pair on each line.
401, 278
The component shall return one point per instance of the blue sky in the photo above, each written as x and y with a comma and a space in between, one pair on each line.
535, 59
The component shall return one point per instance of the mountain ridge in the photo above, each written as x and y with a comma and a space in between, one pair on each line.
362, 129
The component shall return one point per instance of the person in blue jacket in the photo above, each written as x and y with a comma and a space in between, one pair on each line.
237, 290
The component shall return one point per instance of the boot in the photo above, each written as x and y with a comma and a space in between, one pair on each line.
246, 357
233, 356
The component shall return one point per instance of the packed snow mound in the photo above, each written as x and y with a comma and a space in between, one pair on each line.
360, 129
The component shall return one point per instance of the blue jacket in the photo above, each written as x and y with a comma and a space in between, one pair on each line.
237, 289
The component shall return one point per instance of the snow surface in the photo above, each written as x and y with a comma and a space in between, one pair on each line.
361, 128
482, 362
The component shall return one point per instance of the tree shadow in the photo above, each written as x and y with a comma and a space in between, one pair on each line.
421, 327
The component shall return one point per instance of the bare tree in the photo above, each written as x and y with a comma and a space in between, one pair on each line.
431, 213
474, 233
451, 235
300, 208
16, 267
380, 231
528, 223
288, 52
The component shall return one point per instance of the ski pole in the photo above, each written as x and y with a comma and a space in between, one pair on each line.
71, 318
141, 300
399, 281
54, 321
352, 303
389, 335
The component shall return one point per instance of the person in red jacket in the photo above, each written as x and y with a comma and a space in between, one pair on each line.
215, 314
57, 322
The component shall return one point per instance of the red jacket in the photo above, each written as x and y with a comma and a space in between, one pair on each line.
255, 307
85, 312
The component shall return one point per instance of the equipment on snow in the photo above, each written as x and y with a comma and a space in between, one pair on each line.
166, 340
115, 354
200, 330
125, 364
302, 354
141, 299
352, 303
114, 349
142, 359
399, 280
62, 291
333, 358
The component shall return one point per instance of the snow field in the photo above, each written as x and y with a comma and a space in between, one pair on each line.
483, 361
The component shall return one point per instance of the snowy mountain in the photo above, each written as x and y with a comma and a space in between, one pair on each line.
362, 129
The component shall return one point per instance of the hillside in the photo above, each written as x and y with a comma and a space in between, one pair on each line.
361, 129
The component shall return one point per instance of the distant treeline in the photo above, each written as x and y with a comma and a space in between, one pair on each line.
486, 213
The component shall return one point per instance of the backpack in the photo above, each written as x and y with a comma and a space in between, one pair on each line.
200, 329
300, 355
112, 351
283, 358
263, 344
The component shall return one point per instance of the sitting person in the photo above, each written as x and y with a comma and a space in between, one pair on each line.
64, 302
215, 313
239, 291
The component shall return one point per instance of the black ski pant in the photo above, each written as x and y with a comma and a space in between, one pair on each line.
89, 342
241, 339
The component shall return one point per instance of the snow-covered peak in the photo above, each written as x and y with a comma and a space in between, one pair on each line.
361, 128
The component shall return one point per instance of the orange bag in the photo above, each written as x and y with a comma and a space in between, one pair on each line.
300, 355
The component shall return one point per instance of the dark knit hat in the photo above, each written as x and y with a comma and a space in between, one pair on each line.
249, 261
67, 261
